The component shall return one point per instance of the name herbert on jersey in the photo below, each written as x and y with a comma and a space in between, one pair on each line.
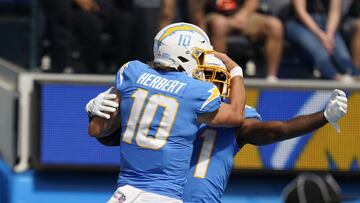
160, 83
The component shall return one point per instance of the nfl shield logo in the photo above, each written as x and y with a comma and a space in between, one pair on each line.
120, 197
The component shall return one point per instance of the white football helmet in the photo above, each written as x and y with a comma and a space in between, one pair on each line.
213, 70
174, 46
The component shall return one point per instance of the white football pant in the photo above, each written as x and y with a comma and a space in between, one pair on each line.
129, 194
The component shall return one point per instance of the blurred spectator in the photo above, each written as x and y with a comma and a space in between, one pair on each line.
313, 27
167, 12
351, 29
146, 14
240, 17
227, 17
58, 18
193, 11
196, 13
84, 22
173, 10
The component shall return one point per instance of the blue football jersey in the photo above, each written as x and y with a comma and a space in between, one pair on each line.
212, 162
158, 113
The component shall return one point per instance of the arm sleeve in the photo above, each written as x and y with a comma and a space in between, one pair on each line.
250, 112
121, 76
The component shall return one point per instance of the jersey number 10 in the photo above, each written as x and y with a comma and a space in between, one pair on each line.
142, 125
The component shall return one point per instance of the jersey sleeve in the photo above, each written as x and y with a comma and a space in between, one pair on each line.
123, 76
250, 112
209, 99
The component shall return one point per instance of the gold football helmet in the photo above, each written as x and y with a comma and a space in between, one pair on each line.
212, 69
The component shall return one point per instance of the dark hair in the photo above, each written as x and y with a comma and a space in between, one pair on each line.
160, 67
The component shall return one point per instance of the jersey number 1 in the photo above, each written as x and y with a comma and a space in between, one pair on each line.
143, 124
205, 153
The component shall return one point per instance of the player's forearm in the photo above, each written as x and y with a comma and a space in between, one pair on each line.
232, 114
303, 124
237, 96
274, 131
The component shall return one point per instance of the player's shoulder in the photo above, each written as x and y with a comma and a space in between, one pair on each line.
206, 96
134, 65
137, 63
250, 108
132, 69
251, 112
128, 73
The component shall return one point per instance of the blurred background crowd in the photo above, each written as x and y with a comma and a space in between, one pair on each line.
271, 39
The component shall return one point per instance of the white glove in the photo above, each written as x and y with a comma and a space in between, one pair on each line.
336, 108
102, 104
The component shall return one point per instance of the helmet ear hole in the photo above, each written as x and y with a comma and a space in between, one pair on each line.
182, 59
181, 69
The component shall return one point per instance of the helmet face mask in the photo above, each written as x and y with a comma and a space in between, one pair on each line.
213, 70
174, 46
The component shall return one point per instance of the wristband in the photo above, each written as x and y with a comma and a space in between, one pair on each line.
237, 71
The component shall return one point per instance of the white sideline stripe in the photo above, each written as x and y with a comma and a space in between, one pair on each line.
283, 150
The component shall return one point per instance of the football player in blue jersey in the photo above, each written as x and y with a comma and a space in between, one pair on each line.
214, 148
156, 101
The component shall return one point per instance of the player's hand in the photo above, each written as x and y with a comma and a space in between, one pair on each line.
233, 68
229, 63
102, 104
336, 108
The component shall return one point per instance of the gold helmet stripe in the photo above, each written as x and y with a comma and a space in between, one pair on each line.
181, 27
